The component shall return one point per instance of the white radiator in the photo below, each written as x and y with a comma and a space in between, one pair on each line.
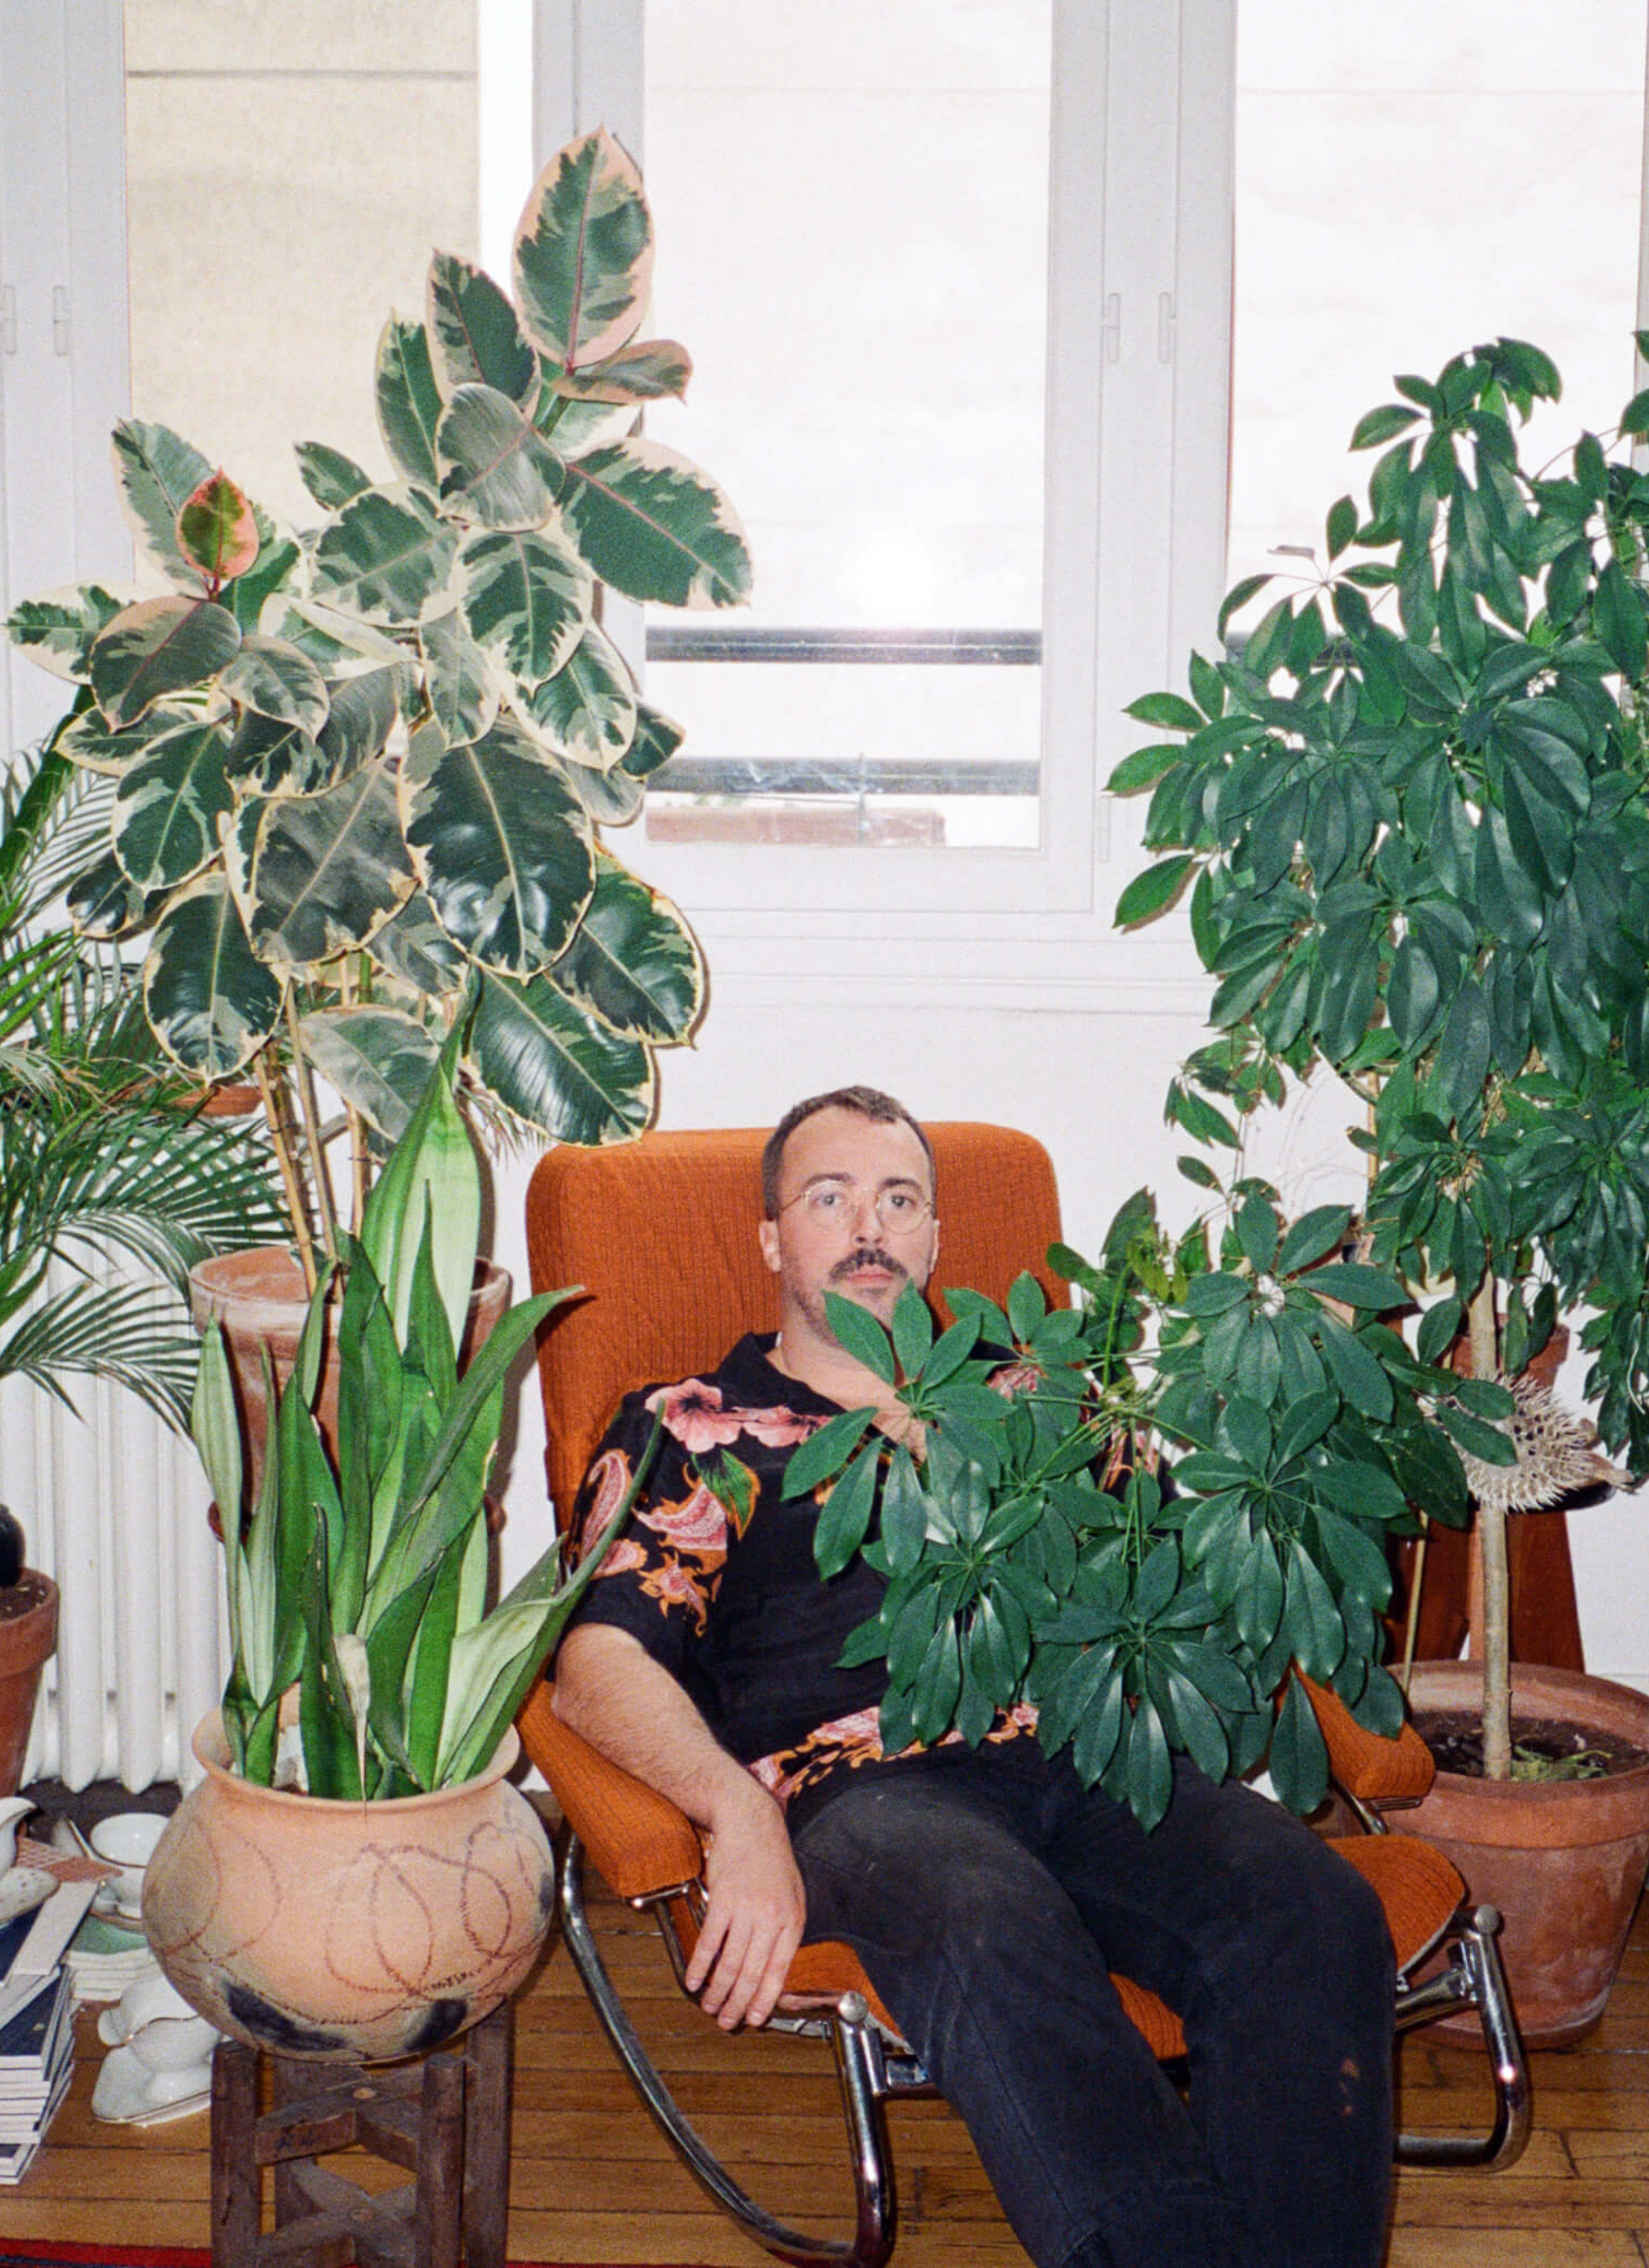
115, 1509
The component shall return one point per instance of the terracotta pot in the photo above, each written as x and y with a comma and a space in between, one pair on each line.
28, 1635
347, 1930
259, 1298
1562, 1860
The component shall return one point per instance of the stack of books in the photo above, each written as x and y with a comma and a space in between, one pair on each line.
104, 1957
36, 2007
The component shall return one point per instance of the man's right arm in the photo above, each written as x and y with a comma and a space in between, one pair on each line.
609, 1689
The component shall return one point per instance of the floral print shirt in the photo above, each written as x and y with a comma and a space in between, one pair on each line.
714, 1574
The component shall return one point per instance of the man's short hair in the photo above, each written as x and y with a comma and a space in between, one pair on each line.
869, 1101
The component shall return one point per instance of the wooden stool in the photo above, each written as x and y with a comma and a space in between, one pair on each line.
445, 2118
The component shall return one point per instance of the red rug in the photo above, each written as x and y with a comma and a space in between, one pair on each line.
38, 2254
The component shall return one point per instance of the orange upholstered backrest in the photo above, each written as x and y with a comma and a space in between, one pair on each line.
662, 1234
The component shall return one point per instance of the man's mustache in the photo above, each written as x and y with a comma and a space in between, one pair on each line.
867, 1257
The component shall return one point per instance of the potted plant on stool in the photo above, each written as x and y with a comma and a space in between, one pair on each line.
355, 1877
1411, 809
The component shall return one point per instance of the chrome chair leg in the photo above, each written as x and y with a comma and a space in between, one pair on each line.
857, 2050
1474, 1978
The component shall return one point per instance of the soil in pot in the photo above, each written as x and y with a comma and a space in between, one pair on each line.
1542, 1748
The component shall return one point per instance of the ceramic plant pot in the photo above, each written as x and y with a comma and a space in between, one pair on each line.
1564, 1860
258, 1296
347, 1930
28, 1634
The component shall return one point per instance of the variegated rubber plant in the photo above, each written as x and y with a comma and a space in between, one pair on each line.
354, 771
363, 1584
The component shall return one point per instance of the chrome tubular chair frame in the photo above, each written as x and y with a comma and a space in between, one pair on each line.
1474, 1978
868, 2071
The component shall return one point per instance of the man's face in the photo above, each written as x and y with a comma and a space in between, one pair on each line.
828, 1236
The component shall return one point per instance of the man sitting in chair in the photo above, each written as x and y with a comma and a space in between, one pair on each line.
986, 1892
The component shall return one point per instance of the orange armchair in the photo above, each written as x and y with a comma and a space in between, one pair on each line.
661, 1233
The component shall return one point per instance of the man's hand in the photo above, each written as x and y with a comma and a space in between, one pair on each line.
755, 1911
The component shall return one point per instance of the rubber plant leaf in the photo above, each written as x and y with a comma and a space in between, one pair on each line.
475, 332
583, 257
655, 526
633, 961
210, 1001
558, 1067
217, 531
157, 472
157, 647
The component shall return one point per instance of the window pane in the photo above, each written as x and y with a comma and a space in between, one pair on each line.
1412, 178
852, 210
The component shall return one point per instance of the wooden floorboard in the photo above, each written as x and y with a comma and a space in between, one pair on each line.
592, 2181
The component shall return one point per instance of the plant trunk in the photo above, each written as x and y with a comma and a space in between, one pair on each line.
1491, 1632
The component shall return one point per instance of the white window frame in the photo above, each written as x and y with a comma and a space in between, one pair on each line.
1138, 379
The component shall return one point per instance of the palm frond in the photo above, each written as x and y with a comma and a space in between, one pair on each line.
113, 1332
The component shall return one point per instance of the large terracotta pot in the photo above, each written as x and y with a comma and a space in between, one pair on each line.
1562, 1860
342, 1931
28, 1634
259, 1298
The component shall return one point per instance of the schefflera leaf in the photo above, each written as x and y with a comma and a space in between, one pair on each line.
558, 1067
388, 556
157, 647
634, 962
476, 333
217, 531
582, 262
502, 849
655, 526
210, 1000
326, 870
495, 467
379, 1059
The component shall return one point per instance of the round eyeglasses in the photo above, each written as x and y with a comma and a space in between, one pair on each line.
899, 1210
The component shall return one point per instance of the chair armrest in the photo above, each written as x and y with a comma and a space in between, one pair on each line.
1371, 1769
637, 1839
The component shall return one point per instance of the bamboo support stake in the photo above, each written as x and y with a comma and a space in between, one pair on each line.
1491, 1610
312, 1126
293, 1185
360, 1164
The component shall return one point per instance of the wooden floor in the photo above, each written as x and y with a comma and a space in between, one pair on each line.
592, 2182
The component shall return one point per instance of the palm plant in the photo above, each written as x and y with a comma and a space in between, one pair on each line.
102, 1162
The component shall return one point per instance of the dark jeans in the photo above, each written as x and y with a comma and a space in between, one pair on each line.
988, 1894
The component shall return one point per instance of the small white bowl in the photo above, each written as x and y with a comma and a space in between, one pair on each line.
127, 1840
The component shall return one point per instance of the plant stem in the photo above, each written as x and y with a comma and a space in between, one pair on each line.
276, 1121
305, 1078
360, 1175
1494, 1637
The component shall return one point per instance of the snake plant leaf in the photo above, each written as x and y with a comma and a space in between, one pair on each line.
655, 526
278, 681
633, 962
168, 804
610, 798
409, 400
502, 849
475, 332
525, 597
379, 1059
326, 870
458, 684
216, 534
646, 370
496, 467
431, 1184
387, 556
104, 901
157, 647
557, 1067
414, 948
582, 262
363, 714
587, 711
157, 473
330, 477
274, 759
210, 1002
56, 629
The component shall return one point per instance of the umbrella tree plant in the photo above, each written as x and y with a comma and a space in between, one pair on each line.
357, 768
1410, 810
